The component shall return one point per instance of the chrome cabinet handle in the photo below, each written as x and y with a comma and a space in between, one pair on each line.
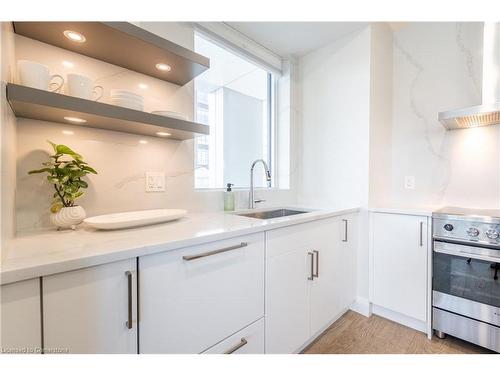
209, 253
345, 230
242, 343
317, 263
311, 277
128, 323
421, 233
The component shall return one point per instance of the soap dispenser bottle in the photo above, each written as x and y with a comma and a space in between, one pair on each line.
229, 198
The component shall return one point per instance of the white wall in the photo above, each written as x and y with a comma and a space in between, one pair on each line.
438, 66
335, 105
381, 74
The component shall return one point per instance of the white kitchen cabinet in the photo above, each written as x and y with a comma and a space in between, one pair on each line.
333, 290
345, 286
310, 280
289, 258
195, 297
250, 340
399, 263
91, 310
20, 322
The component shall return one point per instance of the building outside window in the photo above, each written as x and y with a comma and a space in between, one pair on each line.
235, 97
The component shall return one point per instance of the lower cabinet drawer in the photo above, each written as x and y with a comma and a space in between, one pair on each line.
249, 340
192, 298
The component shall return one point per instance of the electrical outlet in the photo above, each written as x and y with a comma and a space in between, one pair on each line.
409, 182
155, 181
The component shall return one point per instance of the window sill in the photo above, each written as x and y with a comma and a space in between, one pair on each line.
209, 190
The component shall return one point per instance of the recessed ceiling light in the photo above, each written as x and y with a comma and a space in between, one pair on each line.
163, 134
164, 67
75, 119
68, 64
68, 132
74, 36
142, 86
143, 141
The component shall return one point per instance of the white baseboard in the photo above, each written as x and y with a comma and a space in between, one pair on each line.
362, 306
405, 320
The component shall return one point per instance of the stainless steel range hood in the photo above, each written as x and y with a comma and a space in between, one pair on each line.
487, 113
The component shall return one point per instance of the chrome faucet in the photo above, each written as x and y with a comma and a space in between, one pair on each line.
251, 200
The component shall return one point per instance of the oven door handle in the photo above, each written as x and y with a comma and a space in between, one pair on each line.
464, 254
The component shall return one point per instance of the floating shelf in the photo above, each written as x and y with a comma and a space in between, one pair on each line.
122, 44
48, 106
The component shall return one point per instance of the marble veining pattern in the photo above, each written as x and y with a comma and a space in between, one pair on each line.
444, 162
437, 68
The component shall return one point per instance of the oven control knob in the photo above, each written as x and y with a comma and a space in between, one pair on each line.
448, 227
492, 234
473, 232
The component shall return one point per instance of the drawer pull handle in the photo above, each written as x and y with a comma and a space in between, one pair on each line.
311, 275
209, 253
317, 263
129, 310
421, 234
345, 239
242, 343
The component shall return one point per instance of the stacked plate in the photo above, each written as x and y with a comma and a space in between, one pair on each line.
128, 99
180, 116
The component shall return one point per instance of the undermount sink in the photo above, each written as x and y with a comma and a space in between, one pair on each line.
272, 214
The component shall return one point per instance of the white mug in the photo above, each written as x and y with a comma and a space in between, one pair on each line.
36, 75
83, 87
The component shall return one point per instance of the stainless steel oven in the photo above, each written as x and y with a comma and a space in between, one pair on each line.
466, 272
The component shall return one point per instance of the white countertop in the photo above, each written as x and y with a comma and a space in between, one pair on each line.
406, 210
42, 253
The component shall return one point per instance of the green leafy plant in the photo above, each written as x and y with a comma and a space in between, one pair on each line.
65, 175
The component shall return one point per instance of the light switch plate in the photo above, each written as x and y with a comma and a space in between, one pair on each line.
155, 181
409, 182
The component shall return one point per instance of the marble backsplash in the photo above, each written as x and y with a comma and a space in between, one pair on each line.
121, 159
437, 67
122, 162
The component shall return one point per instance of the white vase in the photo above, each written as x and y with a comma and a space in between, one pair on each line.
68, 217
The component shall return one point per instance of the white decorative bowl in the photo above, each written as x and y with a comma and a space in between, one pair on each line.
68, 217
132, 219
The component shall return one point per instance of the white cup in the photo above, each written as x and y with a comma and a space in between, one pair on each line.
83, 87
36, 75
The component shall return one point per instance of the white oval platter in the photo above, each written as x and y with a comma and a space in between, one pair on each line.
132, 219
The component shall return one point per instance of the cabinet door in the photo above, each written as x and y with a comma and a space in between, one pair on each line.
20, 323
195, 297
87, 310
400, 263
345, 286
325, 300
288, 269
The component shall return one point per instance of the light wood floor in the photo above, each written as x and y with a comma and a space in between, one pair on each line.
356, 334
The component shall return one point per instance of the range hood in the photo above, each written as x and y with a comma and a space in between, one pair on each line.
488, 113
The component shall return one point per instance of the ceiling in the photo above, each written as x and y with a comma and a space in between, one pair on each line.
295, 38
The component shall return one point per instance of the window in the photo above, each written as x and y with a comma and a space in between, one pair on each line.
236, 99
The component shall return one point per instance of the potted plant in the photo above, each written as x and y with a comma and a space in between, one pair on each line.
66, 177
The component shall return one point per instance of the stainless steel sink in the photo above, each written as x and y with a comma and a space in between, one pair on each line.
272, 214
